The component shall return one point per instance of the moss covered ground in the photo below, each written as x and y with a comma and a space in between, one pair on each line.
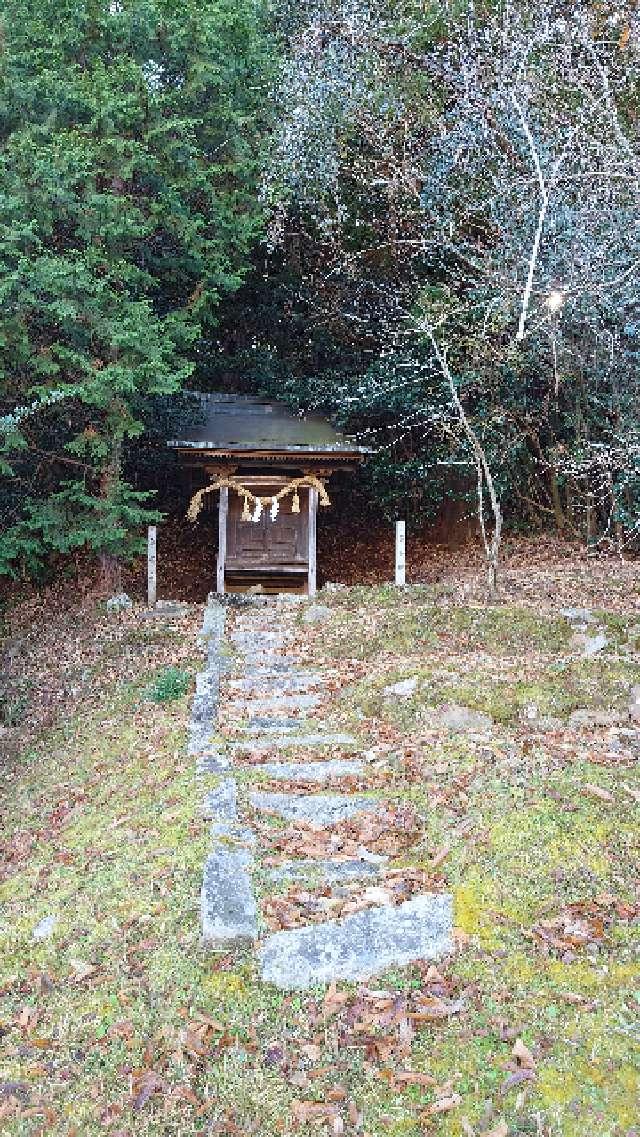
119, 1023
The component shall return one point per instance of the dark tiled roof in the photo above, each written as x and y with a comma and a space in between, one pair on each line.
242, 422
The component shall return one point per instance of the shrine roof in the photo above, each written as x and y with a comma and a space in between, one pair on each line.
244, 423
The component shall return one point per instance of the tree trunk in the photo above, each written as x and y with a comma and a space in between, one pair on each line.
110, 574
558, 511
110, 567
485, 478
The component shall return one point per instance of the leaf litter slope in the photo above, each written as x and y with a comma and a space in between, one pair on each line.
119, 1023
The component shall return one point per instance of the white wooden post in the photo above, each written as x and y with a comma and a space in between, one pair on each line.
222, 538
152, 535
401, 572
313, 509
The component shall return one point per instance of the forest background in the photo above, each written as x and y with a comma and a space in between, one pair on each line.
422, 219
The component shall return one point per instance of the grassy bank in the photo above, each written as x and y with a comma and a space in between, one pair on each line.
117, 1022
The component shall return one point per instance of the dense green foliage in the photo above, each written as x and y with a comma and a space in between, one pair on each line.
360, 206
128, 205
405, 203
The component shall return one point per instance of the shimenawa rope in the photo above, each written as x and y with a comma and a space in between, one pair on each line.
273, 500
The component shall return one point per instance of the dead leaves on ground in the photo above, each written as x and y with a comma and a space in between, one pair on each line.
390, 830
581, 924
300, 906
381, 1025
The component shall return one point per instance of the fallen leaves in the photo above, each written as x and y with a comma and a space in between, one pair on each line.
439, 857
598, 792
581, 924
144, 1084
412, 1078
443, 1103
81, 970
301, 906
390, 830
523, 1055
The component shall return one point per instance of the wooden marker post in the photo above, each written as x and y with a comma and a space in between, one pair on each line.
313, 510
401, 568
222, 538
152, 541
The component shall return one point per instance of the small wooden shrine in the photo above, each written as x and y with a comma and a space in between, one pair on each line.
270, 469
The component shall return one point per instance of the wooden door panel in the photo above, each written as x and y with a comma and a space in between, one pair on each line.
266, 542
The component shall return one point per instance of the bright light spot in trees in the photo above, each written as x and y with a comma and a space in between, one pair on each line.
555, 300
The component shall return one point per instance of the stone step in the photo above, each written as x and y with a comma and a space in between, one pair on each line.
228, 908
358, 946
328, 872
250, 644
264, 728
275, 683
287, 702
211, 761
222, 802
289, 741
314, 771
321, 810
255, 632
269, 723
271, 666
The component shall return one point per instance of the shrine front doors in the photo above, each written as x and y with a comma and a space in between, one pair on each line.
278, 554
265, 543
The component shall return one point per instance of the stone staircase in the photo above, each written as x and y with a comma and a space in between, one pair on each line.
274, 730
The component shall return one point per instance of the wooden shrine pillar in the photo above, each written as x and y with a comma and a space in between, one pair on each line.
313, 509
222, 538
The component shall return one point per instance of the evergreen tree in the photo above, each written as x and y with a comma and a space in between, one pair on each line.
130, 135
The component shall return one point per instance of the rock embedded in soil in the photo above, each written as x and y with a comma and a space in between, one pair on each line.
360, 945
276, 684
211, 762
634, 704
270, 667
595, 644
268, 723
286, 702
228, 907
590, 718
578, 615
321, 810
316, 613
402, 690
458, 718
119, 603
45, 928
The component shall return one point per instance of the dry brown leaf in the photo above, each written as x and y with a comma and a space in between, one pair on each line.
82, 970
338, 1093
443, 1105
355, 1117
440, 856
499, 1130
523, 1055
334, 999
413, 1078
433, 975
304, 1111
598, 792
311, 1050
28, 1018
